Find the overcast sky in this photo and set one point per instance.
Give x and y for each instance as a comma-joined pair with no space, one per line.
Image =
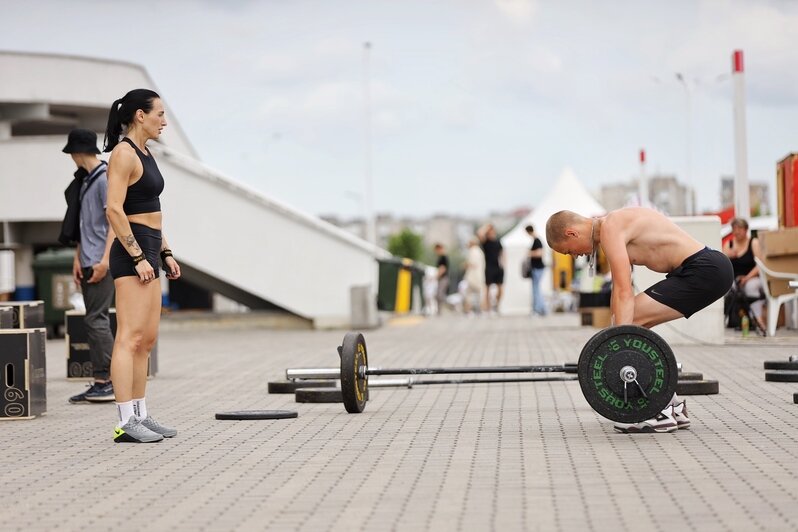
477,105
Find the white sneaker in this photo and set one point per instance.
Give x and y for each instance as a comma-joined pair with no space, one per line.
663,422
680,415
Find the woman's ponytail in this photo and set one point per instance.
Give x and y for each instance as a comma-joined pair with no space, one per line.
122,112
114,128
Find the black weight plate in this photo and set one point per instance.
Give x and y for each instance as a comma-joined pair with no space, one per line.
614,348
782,365
293,386
781,376
318,395
354,381
690,376
795,398
257,414
698,387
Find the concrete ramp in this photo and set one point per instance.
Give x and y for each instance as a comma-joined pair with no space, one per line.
255,250
229,238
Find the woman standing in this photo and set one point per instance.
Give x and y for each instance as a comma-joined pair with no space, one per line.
134,212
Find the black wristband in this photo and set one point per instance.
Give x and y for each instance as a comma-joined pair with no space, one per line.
166,253
138,258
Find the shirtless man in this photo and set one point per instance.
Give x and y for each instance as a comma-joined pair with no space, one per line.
696,276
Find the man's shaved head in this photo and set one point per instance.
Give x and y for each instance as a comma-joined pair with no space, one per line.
557,225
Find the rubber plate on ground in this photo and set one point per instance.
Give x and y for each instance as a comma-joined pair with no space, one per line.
257,414
781,365
781,376
627,351
795,398
690,376
700,387
293,386
318,395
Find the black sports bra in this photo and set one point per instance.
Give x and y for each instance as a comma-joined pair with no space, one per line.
142,196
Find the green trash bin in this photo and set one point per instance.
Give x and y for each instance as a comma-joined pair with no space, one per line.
54,285
400,282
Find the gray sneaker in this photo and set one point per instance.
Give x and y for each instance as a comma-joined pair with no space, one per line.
158,428
134,431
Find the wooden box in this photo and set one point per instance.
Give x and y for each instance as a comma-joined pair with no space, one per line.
26,314
599,317
6,317
79,366
23,384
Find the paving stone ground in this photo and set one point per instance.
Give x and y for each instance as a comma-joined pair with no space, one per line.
515,456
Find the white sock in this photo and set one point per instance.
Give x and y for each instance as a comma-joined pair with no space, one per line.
140,408
125,412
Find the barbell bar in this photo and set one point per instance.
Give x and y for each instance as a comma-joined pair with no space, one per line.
335,373
627,373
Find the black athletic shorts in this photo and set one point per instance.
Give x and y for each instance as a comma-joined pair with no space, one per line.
149,240
703,278
494,276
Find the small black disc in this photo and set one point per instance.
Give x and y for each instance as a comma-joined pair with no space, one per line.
614,351
782,365
781,376
698,387
690,376
318,395
293,386
795,398
257,414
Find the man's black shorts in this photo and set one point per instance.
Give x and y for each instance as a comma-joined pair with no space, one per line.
703,278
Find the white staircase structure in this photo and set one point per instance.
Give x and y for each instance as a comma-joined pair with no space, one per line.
228,238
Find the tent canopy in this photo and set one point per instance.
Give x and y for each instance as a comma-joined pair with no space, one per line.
567,193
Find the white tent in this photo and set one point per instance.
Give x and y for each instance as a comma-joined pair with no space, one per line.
567,193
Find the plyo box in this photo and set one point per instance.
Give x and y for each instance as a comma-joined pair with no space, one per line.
779,243
6,317
780,254
23,384
79,366
26,314
594,299
599,317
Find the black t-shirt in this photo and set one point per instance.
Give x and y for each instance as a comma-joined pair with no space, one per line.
536,263
443,260
492,250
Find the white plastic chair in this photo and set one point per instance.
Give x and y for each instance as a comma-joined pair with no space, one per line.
775,302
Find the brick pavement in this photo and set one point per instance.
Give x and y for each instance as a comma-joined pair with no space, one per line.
451,457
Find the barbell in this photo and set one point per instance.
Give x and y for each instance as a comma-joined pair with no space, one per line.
626,373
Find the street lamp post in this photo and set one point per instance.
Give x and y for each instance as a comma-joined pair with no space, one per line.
371,226
643,185
742,205
689,136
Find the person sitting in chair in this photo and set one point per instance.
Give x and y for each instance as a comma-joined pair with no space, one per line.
741,250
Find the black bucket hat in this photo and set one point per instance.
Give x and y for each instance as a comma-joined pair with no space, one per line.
81,141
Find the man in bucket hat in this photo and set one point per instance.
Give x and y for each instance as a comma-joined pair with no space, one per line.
90,267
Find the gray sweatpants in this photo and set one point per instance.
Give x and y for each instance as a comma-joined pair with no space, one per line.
98,298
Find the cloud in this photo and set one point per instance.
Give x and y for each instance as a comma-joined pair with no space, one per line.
458,112
518,11
334,106
765,31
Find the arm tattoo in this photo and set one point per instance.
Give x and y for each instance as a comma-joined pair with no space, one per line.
132,245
